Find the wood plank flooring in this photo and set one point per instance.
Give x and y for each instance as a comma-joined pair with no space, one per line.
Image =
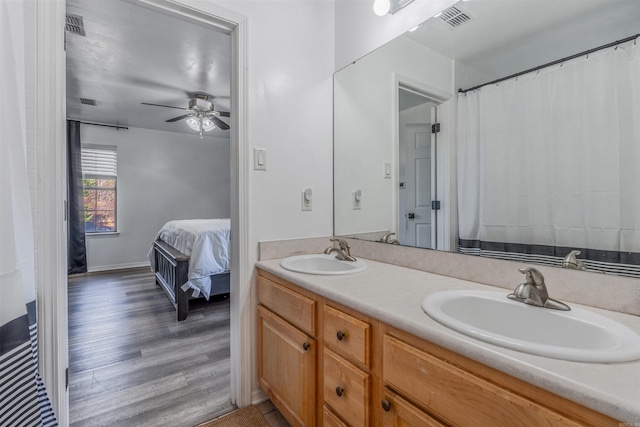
132,364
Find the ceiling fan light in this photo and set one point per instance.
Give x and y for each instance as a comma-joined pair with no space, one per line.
208,124
193,123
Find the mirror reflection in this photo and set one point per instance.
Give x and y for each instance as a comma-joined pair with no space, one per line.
498,128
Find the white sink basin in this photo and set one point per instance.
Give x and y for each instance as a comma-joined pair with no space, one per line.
576,335
321,264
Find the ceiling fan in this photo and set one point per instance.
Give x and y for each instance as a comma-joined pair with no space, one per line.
201,114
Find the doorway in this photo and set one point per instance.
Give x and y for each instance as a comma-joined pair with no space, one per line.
114,333
51,237
417,173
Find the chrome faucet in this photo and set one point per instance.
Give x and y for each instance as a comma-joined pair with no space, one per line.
571,261
534,291
342,253
387,239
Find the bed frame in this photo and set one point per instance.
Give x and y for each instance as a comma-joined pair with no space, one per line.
172,268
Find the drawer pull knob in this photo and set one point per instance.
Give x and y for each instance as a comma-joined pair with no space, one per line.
340,335
306,346
339,391
386,405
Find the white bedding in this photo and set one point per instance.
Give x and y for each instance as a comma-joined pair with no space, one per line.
206,242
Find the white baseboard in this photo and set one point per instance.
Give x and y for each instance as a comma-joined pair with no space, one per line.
258,396
96,268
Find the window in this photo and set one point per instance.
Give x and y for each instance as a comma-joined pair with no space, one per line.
99,182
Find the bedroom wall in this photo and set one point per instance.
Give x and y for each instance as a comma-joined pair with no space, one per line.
161,176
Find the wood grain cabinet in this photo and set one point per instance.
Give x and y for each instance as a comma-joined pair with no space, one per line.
398,412
346,361
287,359
451,390
322,363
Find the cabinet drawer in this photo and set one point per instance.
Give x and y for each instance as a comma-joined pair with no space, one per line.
347,334
329,419
347,390
455,395
399,412
290,305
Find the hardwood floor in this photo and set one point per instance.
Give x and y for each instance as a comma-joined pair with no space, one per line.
132,364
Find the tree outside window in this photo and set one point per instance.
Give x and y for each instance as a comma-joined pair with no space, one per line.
99,181
99,205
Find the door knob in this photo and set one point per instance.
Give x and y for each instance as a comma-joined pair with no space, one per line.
411,215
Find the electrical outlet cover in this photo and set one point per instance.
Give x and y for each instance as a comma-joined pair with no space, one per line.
306,201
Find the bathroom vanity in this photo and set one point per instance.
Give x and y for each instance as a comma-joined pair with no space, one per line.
357,350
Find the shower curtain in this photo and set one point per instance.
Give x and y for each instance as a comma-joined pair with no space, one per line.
23,398
550,161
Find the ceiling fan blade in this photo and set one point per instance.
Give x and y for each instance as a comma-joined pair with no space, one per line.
222,125
175,119
224,113
166,106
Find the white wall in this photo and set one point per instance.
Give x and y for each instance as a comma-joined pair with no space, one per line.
290,66
365,133
467,77
161,176
359,30
30,99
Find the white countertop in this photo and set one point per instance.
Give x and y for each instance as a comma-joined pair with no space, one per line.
393,295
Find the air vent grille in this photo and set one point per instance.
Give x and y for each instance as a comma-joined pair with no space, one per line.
87,101
454,17
75,24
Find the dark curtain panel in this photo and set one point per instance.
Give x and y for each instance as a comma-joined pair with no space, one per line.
77,252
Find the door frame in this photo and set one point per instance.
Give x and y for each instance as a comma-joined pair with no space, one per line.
50,218
400,81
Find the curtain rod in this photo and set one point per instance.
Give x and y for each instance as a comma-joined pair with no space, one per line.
118,127
577,55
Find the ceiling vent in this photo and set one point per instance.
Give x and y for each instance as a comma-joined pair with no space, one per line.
75,24
87,101
455,16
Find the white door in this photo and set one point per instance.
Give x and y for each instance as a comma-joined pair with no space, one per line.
418,185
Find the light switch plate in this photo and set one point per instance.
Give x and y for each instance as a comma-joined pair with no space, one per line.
259,159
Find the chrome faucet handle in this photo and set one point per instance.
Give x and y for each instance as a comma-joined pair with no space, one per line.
571,261
343,253
344,246
536,279
339,253
385,238
534,291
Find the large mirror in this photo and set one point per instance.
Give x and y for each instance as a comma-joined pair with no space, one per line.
529,167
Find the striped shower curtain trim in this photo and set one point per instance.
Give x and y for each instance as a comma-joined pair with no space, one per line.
22,391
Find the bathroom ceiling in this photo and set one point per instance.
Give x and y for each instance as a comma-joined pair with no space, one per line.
503,37
132,53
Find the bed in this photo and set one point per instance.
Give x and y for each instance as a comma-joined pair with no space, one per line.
190,259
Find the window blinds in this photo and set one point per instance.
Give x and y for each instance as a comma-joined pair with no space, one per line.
100,161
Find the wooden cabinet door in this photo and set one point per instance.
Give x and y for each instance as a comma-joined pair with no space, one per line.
287,368
397,412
